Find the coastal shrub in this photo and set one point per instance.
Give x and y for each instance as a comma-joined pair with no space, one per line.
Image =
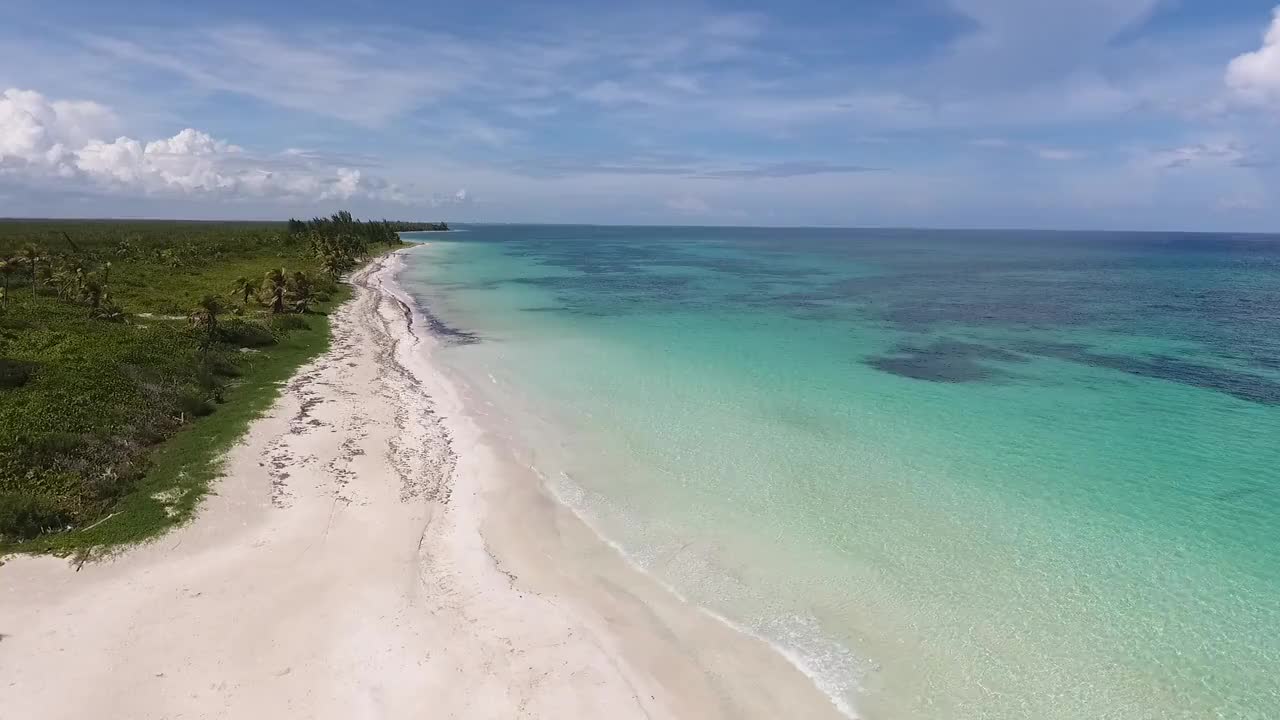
286,323
25,515
218,366
15,373
246,333
195,404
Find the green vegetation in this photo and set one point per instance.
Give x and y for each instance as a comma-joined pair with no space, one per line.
299,225
132,354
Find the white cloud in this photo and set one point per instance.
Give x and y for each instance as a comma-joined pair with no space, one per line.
1028,41
1021,62
460,197
317,72
485,134
682,83
1057,154
1209,154
384,74
530,111
688,205
45,141
1022,77
1254,77
1248,202
41,134
610,93
740,26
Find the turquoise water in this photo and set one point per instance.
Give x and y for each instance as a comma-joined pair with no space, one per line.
951,474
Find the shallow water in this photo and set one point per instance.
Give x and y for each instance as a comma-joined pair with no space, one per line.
953,474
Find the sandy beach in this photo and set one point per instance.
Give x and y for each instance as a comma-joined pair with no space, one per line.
371,554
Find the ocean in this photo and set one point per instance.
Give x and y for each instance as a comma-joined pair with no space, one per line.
951,474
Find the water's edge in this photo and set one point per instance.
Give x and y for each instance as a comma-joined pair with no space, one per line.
833,688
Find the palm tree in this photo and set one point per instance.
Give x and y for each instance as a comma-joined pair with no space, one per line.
205,319
317,242
32,255
8,266
244,288
46,272
92,293
301,292
75,270
109,311
64,280
275,285
332,265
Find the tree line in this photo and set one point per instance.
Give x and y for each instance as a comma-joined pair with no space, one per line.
380,228
338,242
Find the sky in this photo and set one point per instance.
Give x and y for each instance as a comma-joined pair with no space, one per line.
1074,114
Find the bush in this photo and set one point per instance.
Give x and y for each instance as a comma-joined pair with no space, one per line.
26,515
217,366
52,448
286,323
15,373
245,333
194,404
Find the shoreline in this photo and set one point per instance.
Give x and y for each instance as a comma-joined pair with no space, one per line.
610,561
369,552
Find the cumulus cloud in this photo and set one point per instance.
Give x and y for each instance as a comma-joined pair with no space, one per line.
44,141
39,133
1255,76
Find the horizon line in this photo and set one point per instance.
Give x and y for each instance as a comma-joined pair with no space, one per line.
935,228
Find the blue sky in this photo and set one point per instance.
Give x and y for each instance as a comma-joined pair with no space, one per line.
1146,114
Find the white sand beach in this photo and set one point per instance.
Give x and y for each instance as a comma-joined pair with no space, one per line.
369,554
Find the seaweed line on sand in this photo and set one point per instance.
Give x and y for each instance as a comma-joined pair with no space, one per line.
420,452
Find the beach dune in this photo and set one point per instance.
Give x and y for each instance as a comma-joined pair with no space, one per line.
368,556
